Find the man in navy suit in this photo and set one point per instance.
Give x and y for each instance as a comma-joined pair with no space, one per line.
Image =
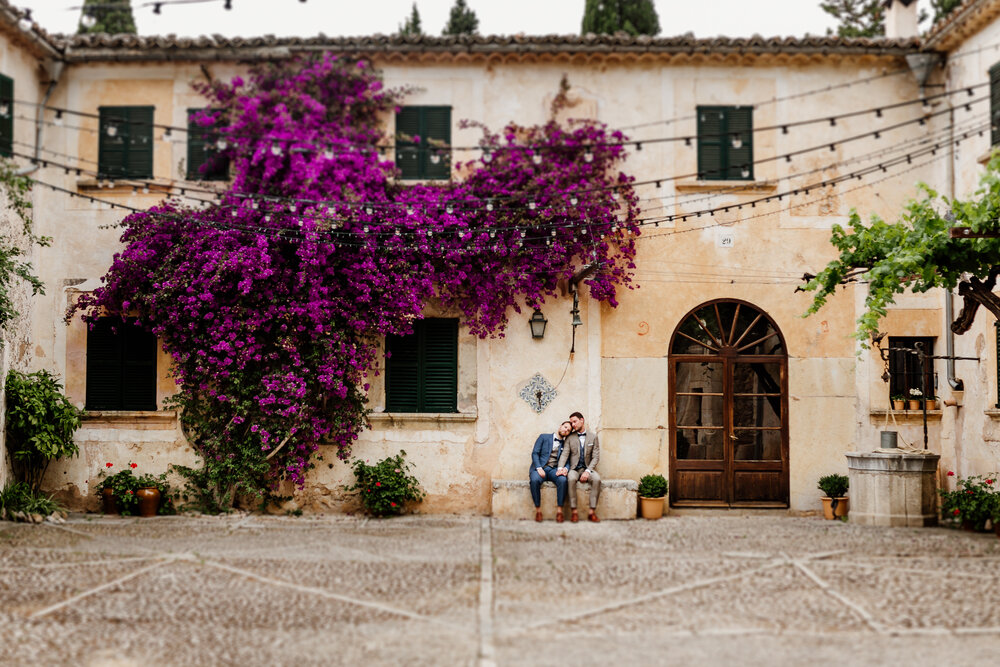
544,456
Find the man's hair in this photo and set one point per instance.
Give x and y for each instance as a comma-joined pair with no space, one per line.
577,415
567,422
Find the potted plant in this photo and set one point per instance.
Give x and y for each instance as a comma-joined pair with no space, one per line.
898,402
652,489
916,397
972,503
117,490
931,402
835,499
153,495
386,487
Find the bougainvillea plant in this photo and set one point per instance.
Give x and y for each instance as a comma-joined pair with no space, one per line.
272,300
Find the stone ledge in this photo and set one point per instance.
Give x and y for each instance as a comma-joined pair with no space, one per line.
422,417
731,187
123,416
907,415
511,499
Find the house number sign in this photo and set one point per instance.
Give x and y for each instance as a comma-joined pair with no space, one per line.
725,239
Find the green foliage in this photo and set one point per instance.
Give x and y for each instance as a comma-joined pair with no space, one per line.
385,487
916,253
111,16
858,18
606,17
943,7
12,265
202,491
461,21
40,424
411,26
123,485
833,486
20,497
973,502
652,486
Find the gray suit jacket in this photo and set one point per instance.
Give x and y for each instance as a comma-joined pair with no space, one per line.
570,457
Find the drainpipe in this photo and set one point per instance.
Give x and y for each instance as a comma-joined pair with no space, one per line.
949,298
54,69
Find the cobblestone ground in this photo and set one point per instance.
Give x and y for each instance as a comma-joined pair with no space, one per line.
722,588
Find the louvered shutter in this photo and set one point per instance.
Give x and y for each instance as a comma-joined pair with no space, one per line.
440,365
203,162
995,104
739,131
7,119
138,369
104,390
711,152
437,131
407,153
112,149
139,160
402,375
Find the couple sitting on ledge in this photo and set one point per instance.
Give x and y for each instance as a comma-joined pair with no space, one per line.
568,456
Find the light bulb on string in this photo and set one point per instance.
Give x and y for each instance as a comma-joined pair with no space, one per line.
449,209
573,201
111,131
409,209
737,141
368,210
328,153
25,23
487,157
532,205
588,156
222,144
275,149
88,20
145,189
489,206
291,208
254,205
435,158
536,158
58,121
745,172
267,217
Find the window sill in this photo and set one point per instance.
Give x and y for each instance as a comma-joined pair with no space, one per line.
734,187
123,416
985,157
120,187
992,413
909,415
422,417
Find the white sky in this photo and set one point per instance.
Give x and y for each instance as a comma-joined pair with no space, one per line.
707,18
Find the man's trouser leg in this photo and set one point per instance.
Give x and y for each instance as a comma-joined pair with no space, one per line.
535,483
595,489
560,482
574,477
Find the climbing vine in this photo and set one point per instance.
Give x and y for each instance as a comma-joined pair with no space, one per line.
12,263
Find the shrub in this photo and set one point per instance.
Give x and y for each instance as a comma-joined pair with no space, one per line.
40,424
19,497
973,501
833,486
652,486
387,486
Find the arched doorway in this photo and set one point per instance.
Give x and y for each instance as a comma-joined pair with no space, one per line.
728,408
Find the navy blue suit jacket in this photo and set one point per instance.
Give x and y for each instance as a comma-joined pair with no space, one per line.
542,450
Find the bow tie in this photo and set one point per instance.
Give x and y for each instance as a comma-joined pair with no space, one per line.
558,440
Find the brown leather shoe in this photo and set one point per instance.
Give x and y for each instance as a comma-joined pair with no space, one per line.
593,517
538,515
574,517
559,517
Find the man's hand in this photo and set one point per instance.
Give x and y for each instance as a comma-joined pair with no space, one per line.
541,472
585,475
561,472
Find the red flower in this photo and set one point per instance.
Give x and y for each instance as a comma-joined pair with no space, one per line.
133,465
969,491
393,504
109,464
378,483
129,492
989,481
956,512
951,474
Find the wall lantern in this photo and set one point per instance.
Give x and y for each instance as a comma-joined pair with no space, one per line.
537,324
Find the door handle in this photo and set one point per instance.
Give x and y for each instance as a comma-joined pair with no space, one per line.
733,437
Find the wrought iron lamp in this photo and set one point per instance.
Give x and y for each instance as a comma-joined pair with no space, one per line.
576,318
537,324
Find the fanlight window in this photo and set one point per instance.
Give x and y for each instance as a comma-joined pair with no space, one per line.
729,327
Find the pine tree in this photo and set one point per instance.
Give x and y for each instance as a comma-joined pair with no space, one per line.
943,7
110,16
462,20
606,17
858,18
411,26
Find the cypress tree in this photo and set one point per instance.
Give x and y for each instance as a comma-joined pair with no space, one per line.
943,7
411,26
858,18
462,21
110,16
606,17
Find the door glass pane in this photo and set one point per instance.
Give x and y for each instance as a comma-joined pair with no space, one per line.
757,445
693,337
757,378
699,410
756,411
698,376
761,338
701,443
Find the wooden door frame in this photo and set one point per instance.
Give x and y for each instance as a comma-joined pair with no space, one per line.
728,358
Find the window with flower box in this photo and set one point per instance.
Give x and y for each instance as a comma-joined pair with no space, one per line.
905,369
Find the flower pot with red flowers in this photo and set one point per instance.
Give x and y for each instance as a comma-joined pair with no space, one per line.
118,489
974,502
835,499
153,495
386,488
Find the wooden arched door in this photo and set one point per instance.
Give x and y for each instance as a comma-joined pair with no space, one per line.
728,408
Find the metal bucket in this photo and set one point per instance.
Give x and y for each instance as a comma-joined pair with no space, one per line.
889,440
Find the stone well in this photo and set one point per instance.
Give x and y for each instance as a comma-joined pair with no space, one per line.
893,488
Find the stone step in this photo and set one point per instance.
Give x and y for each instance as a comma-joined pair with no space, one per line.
512,499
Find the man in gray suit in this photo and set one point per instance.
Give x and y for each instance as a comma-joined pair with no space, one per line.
581,455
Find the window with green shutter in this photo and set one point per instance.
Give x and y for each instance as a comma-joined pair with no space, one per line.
422,369
203,161
423,141
125,147
725,143
995,105
121,367
6,116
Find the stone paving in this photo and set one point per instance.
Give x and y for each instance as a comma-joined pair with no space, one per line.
709,588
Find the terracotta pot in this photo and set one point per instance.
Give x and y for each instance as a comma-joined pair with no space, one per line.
108,499
931,405
652,508
149,501
898,405
914,405
828,510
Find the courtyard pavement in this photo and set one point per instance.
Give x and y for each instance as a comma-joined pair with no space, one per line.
699,588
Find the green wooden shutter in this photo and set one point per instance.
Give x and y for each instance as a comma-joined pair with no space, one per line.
201,153
121,367
138,369
436,131
7,120
711,152
995,104
402,374
104,390
739,129
129,153
407,153
440,365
